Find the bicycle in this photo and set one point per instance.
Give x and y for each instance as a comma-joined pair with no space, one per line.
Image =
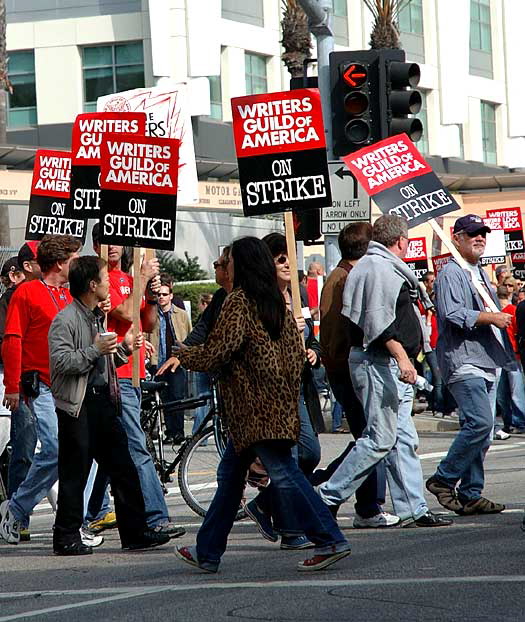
198,456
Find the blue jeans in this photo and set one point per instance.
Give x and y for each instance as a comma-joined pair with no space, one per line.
23,444
337,415
511,398
43,472
295,498
156,509
464,460
389,435
307,452
202,389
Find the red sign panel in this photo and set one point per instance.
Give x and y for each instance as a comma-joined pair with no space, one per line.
51,174
417,249
440,260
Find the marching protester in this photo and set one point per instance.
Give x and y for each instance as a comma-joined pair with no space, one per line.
335,346
88,405
257,349
31,310
379,298
119,321
472,348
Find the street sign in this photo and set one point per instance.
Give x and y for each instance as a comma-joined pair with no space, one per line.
350,203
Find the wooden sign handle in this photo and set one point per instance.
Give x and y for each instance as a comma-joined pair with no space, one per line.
137,299
297,307
455,253
104,252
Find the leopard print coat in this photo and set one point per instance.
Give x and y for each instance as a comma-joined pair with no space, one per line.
259,378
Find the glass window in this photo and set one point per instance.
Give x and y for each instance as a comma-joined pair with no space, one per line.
411,17
480,38
340,8
255,72
110,69
422,143
488,132
22,101
215,97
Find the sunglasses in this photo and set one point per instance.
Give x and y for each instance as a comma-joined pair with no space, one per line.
218,264
282,259
474,234
162,294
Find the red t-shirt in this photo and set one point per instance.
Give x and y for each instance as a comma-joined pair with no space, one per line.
512,329
120,288
31,310
312,289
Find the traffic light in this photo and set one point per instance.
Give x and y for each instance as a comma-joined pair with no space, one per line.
369,98
307,226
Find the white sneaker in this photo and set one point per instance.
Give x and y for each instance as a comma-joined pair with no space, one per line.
9,526
379,521
501,435
90,539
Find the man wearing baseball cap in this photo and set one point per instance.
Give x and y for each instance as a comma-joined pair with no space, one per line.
472,348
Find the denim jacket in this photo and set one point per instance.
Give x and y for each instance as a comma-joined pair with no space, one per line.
460,341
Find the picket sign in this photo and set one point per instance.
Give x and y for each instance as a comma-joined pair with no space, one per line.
455,253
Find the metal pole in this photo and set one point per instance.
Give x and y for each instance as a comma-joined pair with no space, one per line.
319,14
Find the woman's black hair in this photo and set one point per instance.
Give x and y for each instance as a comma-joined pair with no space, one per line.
254,273
276,242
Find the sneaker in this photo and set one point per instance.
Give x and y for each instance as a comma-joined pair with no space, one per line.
9,526
263,522
428,520
318,562
295,543
445,494
480,506
25,535
108,521
149,539
188,554
75,548
89,538
501,435
169,529
379,521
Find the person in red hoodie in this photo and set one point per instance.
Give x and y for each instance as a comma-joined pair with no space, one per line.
30,313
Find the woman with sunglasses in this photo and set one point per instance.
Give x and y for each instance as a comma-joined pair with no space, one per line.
307,452
256,347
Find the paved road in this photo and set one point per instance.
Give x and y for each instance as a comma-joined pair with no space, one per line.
471,571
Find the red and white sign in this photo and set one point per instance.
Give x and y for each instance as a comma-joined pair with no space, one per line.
417,249
439,261
51,174
512,224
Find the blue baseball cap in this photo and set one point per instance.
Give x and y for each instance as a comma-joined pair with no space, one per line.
470,224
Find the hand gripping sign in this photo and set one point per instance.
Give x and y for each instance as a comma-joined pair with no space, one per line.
281,152
50,209
86,141
138,191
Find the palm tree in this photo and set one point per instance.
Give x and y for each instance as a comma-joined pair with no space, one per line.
385,33
296,37
5,236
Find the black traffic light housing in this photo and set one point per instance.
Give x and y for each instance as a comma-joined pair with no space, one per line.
371,98
307,226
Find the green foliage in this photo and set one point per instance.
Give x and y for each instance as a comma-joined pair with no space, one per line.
192,293
187,269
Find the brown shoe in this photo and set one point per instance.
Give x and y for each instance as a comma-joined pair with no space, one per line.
446,496
480,506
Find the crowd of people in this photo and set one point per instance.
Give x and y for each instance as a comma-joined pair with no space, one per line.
73,415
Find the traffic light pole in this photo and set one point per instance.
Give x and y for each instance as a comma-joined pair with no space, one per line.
319,14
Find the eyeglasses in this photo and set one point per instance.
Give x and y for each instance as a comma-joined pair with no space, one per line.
218,264
282,259
474,234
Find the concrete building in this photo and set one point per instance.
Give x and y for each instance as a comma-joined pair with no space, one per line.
64,54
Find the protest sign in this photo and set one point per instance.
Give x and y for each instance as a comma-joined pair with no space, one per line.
518,265
138,198
167,116
416,256
88,131
398,179
280,146
512,225
495,247
439,261
50,209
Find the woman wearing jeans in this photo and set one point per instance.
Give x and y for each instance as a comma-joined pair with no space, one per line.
256,347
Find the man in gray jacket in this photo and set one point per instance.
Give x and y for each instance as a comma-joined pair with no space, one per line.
85,389
471,349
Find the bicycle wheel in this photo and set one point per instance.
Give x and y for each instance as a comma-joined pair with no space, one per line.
197,475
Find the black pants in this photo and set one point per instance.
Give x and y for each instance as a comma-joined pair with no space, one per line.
97,434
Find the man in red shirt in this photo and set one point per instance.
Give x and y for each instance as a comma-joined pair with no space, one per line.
31,311
119,321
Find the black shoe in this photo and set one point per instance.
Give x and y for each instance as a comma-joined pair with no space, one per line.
74,548
333,510
178,439
148,540
429,520
169,529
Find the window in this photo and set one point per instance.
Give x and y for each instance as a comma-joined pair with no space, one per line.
488,132
340,21
246,11
480,39
215,97
22,102
255,72
411,29
422,143
110,69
